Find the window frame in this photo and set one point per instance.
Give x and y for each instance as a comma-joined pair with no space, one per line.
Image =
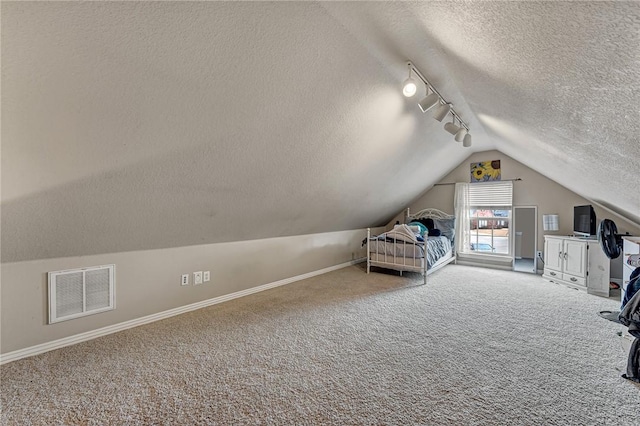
469,230
482,196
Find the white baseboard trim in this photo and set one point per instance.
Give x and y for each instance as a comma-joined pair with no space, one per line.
89,335
484,265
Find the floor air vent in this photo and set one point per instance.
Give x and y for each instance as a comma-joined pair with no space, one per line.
80,292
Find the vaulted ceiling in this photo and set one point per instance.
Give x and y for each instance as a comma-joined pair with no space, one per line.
137,125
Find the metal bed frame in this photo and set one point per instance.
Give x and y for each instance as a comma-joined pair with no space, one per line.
412,264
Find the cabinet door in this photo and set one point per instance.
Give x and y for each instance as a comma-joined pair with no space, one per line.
553,254
575,258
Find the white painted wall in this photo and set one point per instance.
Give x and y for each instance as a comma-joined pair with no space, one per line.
148,282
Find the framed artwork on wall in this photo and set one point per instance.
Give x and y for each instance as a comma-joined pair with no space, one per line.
485,171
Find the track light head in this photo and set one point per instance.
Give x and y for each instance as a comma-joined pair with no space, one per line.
451,128
460,135
429,102
466,142
409,87
442,111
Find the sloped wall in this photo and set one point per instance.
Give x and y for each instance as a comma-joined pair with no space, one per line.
149,125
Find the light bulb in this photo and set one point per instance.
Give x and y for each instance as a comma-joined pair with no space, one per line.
409,87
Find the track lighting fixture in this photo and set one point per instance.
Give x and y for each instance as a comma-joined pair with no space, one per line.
434,99
442,112
410,86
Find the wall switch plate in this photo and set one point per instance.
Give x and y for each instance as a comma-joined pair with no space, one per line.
206,276
197,278
185,279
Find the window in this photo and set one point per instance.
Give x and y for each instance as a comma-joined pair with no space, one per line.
489,230
484,212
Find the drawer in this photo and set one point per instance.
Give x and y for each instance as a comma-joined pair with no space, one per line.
627,269
552,273
574,280
631,245
628,251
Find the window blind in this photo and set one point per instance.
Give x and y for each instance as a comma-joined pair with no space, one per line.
493,194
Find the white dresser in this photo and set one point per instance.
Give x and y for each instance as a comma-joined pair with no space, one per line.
630,245
578,263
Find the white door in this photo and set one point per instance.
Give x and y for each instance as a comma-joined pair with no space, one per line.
553,254
576,258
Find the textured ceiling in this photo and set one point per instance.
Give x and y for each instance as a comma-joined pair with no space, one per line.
555,85
137,125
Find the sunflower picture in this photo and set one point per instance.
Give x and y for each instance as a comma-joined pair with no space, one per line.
485,171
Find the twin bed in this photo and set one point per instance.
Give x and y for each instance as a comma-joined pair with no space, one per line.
405,249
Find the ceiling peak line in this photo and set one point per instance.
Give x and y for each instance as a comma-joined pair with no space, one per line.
433,99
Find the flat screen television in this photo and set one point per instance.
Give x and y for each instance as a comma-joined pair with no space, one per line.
584,221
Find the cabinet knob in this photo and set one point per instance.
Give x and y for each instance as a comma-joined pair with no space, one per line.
573,279
552,273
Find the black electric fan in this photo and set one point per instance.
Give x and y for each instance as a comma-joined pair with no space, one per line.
609,239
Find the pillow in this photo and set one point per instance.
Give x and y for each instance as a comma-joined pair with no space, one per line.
434,232
414,229
402,233
447,227
422,221
423,229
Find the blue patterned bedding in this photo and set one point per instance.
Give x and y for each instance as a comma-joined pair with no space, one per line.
437,247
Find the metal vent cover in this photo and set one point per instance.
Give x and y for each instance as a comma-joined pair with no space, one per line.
79,292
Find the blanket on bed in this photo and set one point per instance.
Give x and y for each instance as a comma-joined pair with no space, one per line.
437,247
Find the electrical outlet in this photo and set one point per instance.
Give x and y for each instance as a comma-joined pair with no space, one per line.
185,279
539,254
197,278
206,276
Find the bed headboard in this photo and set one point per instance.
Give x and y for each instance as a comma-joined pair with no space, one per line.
443,221
428,213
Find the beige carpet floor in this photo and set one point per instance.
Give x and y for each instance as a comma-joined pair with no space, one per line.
472,347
